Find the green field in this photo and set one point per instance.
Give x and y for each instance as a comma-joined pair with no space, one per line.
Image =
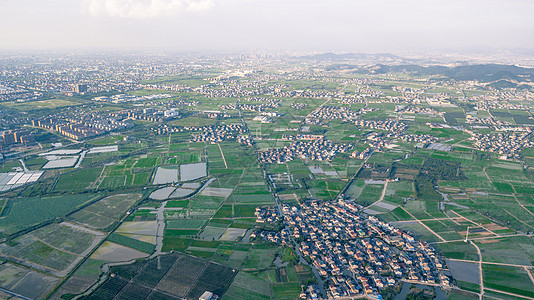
22,213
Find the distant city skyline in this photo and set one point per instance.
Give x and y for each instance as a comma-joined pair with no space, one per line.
234,25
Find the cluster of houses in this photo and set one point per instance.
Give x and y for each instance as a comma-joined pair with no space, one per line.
258,85
356,254
229,89
379,141
266,214
218,133
245,140
153,115
331,113
224,130
486,121
500,104
391,125
306,137
319,149
298,106
412,109
252,107
122,98
352,99
498,125
17,94
418,138
506,144
260,99
504,99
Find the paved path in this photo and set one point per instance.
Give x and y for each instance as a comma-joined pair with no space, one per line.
507,293
477,224
222,154
382,195
527,269
481,238
531,213
424,225
82,156
490,263
160,218
23,165
481,274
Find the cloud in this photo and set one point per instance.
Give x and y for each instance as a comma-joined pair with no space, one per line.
144,9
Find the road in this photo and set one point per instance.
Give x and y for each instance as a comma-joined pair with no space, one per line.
324,103
23,165
521,204
529,274
477,238
481,272
424,225
507,293
82,156
473,222
489,179
222,154
382,195
281,212
490,263
160,219
14,294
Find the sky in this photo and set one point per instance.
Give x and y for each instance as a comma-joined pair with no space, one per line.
242,25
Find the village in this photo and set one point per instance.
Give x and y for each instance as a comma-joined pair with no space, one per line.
357,254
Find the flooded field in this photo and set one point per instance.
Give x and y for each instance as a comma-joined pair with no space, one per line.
165,175
170,192
464,271
162,194
190,172
180,192
191,185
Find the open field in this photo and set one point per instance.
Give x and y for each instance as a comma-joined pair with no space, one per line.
164,275
27,283
103,213
44,104
22,213
112,252
56,246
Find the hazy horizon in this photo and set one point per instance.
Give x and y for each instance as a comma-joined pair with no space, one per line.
244,25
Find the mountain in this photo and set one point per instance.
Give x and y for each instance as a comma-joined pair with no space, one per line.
333,57
499,76
482,73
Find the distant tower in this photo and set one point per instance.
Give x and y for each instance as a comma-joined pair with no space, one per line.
80,88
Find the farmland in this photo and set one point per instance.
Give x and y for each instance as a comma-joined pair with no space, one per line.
146,278
103,213
199,163
22,213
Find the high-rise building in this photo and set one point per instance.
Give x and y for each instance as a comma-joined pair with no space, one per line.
80,88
